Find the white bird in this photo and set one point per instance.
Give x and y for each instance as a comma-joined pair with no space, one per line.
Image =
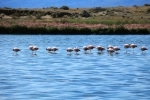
143,48
15,49
100,49
90,47
110,50
49,49
76,50
133,46
85,48
126,46
116,48
33,48
69,50
110,46
54,49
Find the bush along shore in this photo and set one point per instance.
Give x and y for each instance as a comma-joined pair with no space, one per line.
118,30
80,21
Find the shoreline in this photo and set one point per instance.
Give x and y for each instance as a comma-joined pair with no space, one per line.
79,29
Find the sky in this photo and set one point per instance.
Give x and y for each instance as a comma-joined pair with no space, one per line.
70,3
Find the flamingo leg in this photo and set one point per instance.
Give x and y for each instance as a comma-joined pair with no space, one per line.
32,52
126,50
35,52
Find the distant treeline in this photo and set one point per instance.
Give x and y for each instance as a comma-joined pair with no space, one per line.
146,4
70,31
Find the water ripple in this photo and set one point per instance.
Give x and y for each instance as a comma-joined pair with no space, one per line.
59,76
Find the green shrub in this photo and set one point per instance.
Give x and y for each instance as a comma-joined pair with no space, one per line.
97,9
120,30
146,4
64,7
38,16
148,10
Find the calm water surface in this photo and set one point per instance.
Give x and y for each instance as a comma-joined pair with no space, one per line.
61,76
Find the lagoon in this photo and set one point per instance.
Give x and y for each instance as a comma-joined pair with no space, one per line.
94,76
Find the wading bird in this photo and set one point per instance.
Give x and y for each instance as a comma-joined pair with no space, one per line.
15,49
110,46
76,50
143,48
49,49
126,46
110,51
85,48
69,50
100,49
54,49
133,46
116,49
90,47
33,48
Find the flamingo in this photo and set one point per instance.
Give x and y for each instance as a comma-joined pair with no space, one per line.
100,49
69,50
76,50
33,48
85,48
15,49
110,46
143,48
116,48
133,46
49,49
110,50
54,49
90,47
126,46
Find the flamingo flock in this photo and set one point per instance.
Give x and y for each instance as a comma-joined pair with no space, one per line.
126,46
87,49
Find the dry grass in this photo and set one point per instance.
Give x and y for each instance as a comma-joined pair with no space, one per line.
110,16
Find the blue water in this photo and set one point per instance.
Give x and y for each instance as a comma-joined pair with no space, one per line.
61,76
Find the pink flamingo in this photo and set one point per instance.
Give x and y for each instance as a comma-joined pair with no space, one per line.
33,48
76,50
85,48
110,46
100,49
110,50
126,46
69,50
54,49
116,48
49,49
133,46
90,47
15,49
143,48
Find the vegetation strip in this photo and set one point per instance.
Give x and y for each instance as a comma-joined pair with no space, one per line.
71,31
65,20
